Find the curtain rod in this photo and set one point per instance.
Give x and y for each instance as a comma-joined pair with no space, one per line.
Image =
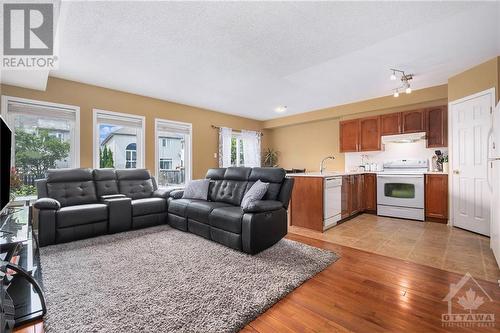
234,129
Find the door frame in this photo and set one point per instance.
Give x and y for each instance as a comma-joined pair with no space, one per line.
491,92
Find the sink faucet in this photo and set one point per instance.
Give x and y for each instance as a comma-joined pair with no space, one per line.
321,165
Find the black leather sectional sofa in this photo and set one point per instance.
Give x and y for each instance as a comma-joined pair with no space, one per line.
221,219
81,203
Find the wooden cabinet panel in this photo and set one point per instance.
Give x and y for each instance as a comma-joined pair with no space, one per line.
370,193
436,198
369,134
413,121
306,206
437,127
390,124
346,197
361,192
349,135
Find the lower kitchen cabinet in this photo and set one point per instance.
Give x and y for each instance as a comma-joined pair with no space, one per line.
436,198
352,195
306,205
370,193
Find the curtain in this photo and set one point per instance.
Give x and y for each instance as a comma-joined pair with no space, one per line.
225,135
251,148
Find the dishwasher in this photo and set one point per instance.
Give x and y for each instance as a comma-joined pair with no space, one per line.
332,201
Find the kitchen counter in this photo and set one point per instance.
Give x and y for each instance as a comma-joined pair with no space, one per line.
435,173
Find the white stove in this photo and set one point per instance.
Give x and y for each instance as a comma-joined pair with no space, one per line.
400,189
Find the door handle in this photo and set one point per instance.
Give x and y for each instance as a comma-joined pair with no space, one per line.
456,172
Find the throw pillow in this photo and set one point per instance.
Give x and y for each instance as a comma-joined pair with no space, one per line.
256,192
197,189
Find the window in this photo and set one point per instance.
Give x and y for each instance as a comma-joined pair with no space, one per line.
45,135
165,164
237,156
173,152
239,149
119,140
131,156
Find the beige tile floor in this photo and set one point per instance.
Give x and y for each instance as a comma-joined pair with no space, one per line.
426,243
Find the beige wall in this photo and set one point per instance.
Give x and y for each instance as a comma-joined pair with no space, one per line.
476,79
303,140
87,97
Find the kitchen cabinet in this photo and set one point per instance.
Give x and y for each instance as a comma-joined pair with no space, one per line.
370,193
413,121
390,124
369,134
352,195
349,136
436,198
437,127
306,204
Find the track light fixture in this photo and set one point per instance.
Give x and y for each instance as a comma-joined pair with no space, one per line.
405,81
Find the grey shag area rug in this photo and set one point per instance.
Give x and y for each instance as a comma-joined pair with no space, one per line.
164,280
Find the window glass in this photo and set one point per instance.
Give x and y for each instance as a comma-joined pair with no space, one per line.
44,138
173,152
399,190
120,142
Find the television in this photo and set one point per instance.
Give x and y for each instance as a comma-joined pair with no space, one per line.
5,158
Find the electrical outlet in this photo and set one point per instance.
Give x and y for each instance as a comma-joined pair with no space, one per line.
215,155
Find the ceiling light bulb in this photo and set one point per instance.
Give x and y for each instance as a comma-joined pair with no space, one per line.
408,90
396,94
393,76
280,109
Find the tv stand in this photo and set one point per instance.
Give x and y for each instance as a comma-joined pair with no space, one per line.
19,262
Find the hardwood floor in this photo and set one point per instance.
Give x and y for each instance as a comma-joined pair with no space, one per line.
366,292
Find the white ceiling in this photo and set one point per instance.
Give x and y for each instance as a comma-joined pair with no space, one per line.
247,58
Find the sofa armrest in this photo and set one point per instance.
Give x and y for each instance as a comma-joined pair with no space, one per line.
47,203
112,196
177,194
259,231
162,193
260,206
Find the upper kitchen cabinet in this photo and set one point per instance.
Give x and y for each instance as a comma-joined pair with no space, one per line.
390,124
369,134
349,136
437,127
413,121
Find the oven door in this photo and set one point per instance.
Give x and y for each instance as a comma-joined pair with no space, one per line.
400,190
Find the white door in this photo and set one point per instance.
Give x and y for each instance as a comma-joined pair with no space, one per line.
495,184
471,194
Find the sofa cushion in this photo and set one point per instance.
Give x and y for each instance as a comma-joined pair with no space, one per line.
197,189
228,191
136,189
72,193
256,192
273,176
229,187
105,181
227,218
81,214
135,183
69,175
148,206
179,206
200,210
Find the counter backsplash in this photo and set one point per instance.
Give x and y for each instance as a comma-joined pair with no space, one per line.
392,151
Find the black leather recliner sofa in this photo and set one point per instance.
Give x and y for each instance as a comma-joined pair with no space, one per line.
221,219
81,203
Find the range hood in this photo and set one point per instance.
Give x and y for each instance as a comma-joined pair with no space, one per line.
404,138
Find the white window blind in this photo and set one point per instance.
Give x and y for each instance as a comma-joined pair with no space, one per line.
171,127
119,120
